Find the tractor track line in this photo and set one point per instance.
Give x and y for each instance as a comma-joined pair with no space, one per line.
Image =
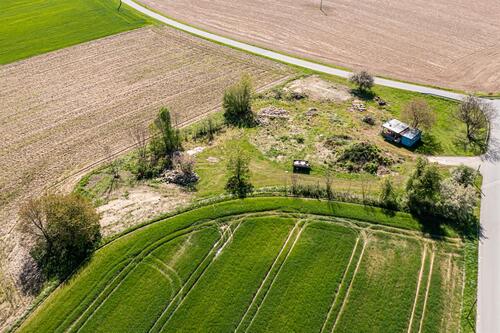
419,281
346,297
254,299
275,276
197,279
427,292
341,284
125,271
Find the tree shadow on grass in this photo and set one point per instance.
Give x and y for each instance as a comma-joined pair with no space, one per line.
365,95
429,145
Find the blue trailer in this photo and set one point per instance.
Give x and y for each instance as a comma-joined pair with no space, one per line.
401,133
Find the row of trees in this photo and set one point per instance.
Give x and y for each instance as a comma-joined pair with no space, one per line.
428,194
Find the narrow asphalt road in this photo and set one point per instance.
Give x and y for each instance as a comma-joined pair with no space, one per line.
488,318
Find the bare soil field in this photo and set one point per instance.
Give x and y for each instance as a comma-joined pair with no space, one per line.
454,44
59,110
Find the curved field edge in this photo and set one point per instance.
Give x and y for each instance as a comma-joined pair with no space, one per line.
112,259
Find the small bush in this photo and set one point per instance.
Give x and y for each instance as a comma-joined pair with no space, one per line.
363,156
237,104
370,120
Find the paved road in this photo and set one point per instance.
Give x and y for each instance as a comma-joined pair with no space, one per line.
488,320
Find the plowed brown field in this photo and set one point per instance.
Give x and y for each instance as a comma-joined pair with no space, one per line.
453,44
58,111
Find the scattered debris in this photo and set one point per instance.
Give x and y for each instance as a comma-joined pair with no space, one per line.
271,113
312,112
370,120
380,101
212,159
178,177
358,105
195,151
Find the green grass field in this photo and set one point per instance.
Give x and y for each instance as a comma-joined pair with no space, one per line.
32,27
264,264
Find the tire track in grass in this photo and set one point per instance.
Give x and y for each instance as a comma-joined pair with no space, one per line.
268,274
266,293
342,282
365,243
427,292
419,281
180,296
79,322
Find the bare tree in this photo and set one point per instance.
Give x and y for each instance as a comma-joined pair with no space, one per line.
112,161
419,114
363,80
475,114
328,184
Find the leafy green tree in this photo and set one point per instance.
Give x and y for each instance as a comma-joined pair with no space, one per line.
66,230
165,140
423,188
388,195
237,104
238,183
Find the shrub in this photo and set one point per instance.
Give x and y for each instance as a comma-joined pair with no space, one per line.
65,229
388,196
370,120
363,156
458,201
238,183
423,189
363,80
237,104
464,175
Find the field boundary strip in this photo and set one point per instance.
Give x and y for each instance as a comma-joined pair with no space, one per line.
183,295
268,274
358,264
419,281
342,281
421,324
266,293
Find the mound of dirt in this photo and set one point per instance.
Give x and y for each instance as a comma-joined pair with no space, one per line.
317,89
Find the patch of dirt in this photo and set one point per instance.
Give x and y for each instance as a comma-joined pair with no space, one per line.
139,204
413,40
317,89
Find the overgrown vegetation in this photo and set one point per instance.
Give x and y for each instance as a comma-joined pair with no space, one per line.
238,182
66,230
237,104
363,156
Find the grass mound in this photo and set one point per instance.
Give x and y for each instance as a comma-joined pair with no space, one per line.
260,265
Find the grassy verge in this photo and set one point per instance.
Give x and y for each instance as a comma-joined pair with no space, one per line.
35,27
